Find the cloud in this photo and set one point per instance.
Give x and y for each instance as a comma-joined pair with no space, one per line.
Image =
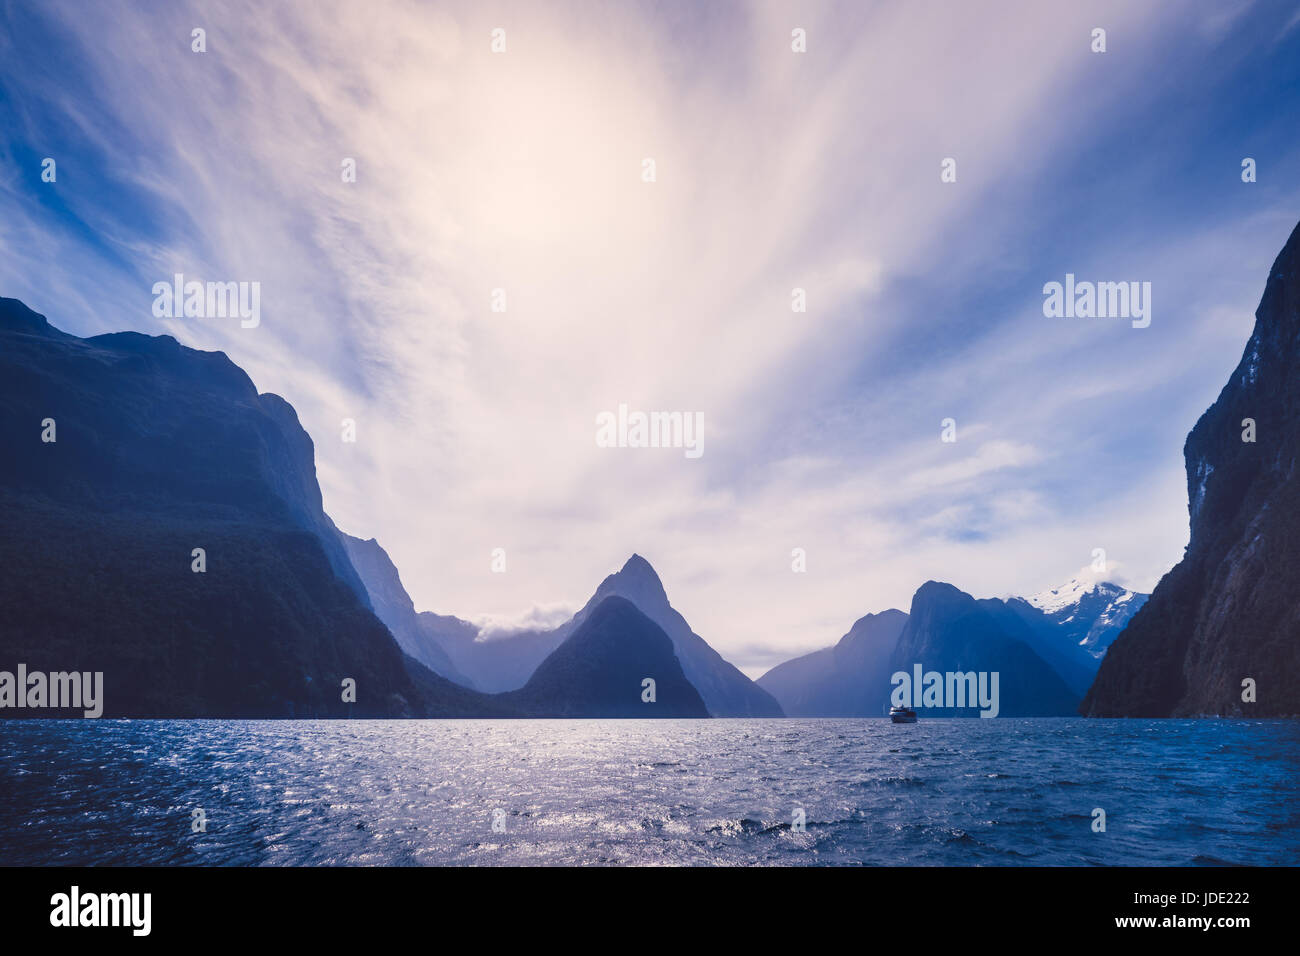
535,618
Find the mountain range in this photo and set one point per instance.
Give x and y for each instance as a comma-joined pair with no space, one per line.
1034,643
161,522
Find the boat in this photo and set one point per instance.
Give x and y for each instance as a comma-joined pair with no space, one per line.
902,715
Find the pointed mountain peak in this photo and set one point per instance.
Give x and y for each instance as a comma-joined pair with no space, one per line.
638,582
637,566
598,669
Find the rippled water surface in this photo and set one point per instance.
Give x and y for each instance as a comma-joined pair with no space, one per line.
950,792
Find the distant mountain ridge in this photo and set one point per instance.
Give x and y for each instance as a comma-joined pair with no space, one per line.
1067,628
495,663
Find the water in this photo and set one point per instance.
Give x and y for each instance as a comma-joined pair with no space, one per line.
944,792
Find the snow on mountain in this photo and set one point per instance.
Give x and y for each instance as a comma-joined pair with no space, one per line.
1067,595
1091,612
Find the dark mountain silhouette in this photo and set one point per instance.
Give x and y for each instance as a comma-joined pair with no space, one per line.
850,679
505,662
948,630
1229,611
726,691
394,607
599,669
161,449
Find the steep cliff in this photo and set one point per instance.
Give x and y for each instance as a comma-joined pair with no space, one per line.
1229,613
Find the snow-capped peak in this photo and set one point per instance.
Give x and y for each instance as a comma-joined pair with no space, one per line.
1089,609
1068,594
1087,581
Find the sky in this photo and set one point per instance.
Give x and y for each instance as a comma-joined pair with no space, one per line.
523,169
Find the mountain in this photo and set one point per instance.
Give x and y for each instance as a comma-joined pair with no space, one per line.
1075,624
1089,613
948,630
506,662
394,607
726,691
599,669
1043,670
455,638
850,679
1229,611
159,450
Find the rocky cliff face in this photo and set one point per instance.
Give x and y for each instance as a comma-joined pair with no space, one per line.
158,450
1229,612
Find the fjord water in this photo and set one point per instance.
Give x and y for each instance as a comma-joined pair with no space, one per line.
941,792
